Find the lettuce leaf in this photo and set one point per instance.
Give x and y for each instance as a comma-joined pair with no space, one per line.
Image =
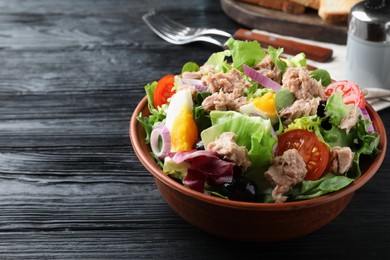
174,170
149,90
313,189
298,60
201,116
364,144
156,115
255,133
245,52
337,137
310,123
336,109
218,60
358,139
274,54
242,125
218,117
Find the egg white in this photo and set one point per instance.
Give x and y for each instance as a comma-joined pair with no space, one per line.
178,100
251,109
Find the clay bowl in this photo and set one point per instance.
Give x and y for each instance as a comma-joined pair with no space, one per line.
245,221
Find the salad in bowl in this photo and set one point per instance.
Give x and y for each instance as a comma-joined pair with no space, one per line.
249,125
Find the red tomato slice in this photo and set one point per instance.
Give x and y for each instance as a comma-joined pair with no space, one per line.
315,153
351,92
163,90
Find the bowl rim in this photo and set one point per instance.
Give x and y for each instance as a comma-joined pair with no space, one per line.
148,162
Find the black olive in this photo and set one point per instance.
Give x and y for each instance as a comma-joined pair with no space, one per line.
237,171
326,125
321,108
199,145
242,189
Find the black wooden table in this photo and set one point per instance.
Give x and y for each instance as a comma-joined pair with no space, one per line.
71,187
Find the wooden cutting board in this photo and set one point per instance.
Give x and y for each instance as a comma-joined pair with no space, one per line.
308,25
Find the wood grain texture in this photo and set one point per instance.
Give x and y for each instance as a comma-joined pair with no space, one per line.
71,187
307,25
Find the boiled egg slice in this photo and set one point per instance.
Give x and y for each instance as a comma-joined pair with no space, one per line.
262,106
180,122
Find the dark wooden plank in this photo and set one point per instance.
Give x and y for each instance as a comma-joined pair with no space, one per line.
163,243
71,186
93,31
91,7
90,71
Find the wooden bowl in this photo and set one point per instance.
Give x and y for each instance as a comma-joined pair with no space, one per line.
246,221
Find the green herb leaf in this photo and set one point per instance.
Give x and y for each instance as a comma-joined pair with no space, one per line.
321,75
190,67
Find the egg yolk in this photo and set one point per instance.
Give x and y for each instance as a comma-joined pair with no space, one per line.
184,133
266,104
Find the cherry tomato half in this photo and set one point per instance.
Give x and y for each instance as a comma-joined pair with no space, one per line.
163,90
351,92
315,153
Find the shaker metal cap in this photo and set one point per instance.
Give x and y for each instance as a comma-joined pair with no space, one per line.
370,20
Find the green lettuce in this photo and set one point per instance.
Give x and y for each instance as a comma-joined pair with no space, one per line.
245,52
310,123
364,144
336,136
218,60
218,117
298,60
336,109
242,125
149,90
255,133
313,189
156,115
201,116
177,171
358,139
274,54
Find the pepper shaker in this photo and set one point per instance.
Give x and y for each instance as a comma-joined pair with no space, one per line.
368,44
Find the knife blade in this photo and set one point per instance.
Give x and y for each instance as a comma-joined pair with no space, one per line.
291,47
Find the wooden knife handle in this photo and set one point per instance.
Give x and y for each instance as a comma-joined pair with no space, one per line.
290,47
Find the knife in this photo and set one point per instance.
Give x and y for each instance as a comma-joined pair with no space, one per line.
291,47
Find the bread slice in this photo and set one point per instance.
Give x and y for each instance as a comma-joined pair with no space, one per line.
336,10
315,4
286,6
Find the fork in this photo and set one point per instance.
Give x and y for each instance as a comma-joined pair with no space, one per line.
176,33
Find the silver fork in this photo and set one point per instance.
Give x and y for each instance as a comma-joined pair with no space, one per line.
176,33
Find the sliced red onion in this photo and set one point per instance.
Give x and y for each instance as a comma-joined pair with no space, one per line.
260,78
273,133
259,115
160,133
275,148
185,156
370,128
197,83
